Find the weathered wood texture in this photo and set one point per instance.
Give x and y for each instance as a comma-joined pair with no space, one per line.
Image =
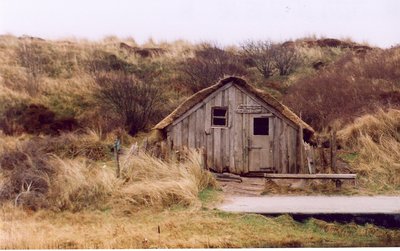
311,176
227,148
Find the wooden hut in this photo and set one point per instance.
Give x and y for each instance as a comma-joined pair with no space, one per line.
241,129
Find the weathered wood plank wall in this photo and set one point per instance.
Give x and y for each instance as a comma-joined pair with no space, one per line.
225,148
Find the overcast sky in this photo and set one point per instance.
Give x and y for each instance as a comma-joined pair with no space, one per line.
223,21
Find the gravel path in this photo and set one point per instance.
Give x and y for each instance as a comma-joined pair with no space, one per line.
312,204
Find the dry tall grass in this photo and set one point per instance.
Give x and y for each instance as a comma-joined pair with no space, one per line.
179,229
33,178
376,138
151,181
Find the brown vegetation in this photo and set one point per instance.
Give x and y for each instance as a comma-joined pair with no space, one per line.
375,141
351,87
261,55
35,119
32,177
268,57
178,229
209,64
131,98
51,91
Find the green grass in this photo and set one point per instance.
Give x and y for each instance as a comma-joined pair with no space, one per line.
180,228
208,195
349,157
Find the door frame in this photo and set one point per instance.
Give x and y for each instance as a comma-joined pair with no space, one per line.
250,135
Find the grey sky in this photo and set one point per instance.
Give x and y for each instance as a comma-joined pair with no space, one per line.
223,21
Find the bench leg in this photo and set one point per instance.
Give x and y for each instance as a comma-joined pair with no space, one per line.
338,183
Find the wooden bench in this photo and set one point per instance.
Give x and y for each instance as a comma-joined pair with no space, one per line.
336,177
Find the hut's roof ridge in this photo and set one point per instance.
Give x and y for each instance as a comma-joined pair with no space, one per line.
202,94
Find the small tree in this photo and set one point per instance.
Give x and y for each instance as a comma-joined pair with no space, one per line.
286,59
131,98
261,53
30,56
209,64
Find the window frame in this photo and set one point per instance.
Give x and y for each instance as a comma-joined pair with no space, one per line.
220,117
267,124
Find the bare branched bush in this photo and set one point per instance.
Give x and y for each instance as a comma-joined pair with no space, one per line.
286,59
261,54
132,98
209,64
349,88
31,57
104,61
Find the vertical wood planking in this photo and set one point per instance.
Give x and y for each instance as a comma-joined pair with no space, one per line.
292,159
209,134
185,132
226,147
225,133
173,135
217,139
232,126
276,144
200,128
285,151
237,129
178,135
245,132
192,130
280,144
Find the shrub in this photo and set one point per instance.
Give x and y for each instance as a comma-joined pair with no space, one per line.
286,59
209,64
350,87
31,56
261,54
34,179
133,99
104,61
70,145
35,119
27,173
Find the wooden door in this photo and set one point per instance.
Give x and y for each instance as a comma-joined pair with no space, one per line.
260,143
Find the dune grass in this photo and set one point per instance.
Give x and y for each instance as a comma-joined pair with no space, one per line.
179,228
370,147
375,138
34,176
62,192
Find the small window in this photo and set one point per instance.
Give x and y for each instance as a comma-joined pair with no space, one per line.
219,116
260,126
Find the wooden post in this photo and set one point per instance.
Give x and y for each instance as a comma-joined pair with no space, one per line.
313,159
309,156
145,144
203,162
117,146
322,157
301,150
159,236
333,152
164,150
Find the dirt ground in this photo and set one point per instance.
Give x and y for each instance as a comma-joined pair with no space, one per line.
259,186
